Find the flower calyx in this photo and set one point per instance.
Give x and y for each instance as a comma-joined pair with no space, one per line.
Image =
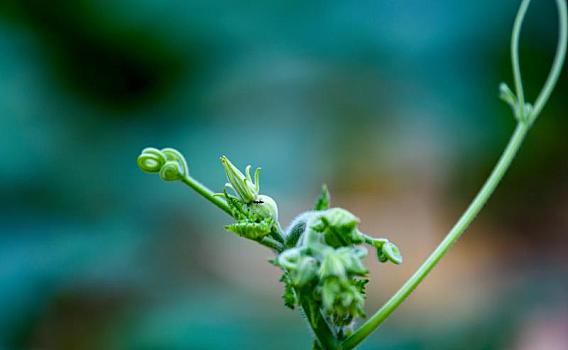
256,215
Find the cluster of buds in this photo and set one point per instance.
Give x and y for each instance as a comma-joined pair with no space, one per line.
332,277
320,253
323,263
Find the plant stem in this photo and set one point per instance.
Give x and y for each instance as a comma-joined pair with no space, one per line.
515,57
558,61
524,123
272,244
317,323
455,233
207,194
321,330
220,203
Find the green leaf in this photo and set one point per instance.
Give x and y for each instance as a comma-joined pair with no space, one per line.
293,236
289,296
250,230
322,203
306,272
340,219
339,227
316,346
507,95
333,266
361,284
237,207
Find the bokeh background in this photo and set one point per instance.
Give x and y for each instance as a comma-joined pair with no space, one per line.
393,104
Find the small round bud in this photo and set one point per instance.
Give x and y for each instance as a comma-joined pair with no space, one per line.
389,252
306,271
341,219
288,259
264,207
333,265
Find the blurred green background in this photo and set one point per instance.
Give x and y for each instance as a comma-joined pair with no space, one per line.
393,104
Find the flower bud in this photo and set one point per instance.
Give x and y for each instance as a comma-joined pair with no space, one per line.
333,266
289,258
342,300
351,257
339,227
306,271
389,252
243,185
263,207
340,219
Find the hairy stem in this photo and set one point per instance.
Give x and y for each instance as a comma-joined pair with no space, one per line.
272,244
319,327
323,334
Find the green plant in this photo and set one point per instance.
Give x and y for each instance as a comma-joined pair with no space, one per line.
320,252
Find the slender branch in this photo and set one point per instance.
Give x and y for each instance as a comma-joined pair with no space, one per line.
222,204
515,58
272,244
523,125
207,194
558,61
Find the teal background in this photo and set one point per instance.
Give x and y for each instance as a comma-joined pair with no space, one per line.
393,104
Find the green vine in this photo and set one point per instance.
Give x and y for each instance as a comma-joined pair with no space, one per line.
320,253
